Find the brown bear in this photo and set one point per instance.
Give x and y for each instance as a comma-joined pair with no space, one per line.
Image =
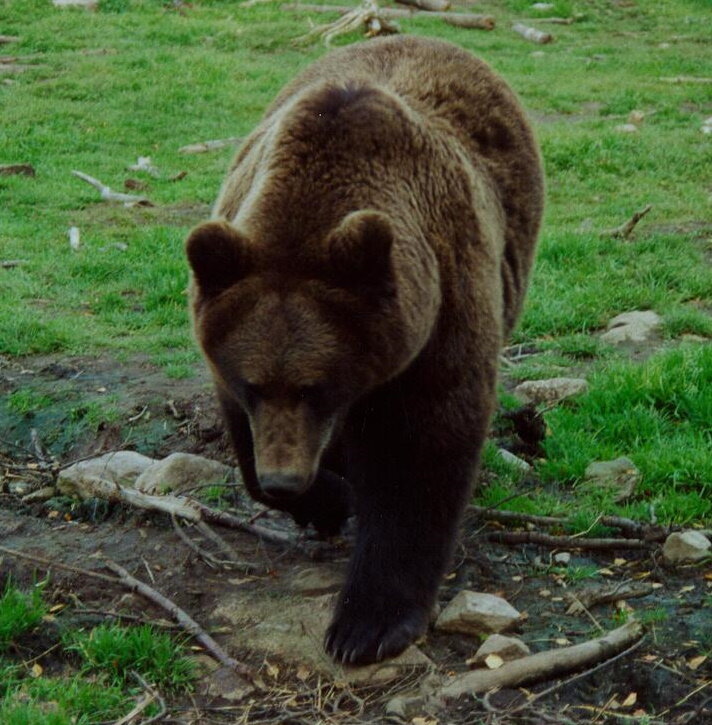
369,252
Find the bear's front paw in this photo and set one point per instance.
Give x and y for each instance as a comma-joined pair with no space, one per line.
367,634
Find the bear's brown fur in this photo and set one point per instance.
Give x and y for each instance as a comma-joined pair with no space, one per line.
370,252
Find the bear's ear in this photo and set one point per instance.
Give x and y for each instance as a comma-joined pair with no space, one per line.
219,256
360,249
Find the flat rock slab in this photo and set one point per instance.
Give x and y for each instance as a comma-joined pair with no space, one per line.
292,627
181,471
550,391
477,613
122,467
635,326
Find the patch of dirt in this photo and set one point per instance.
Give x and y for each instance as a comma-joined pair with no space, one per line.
270,621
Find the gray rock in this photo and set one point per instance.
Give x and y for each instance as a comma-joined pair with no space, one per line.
636,326
621,474
405,707
686,546
316,580
550,391
477,613
122,467
513,460
181,471
41,494
563,557
508,648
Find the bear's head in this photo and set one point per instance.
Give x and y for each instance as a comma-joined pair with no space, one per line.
296,334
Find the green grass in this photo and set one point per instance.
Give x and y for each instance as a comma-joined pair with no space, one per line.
20,612
137,78
116,651
104,685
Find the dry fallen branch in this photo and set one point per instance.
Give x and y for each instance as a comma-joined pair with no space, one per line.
185,620
628,526
203,146
368,15
536,36
49,564
432,5
17,170
10,263
553,21
545,665
9,39
685,79
580,601
463,20
564,542
626,229
107,194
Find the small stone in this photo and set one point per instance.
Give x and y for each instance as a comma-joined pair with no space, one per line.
550,391
563,557
405,707
627,128
122,467
181,471
635,326
513,460
227,684
315,581
686,546
41,494
508,648
620,474
477,613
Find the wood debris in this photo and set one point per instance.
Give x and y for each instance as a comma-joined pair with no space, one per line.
626,229
17,170
203,146
433,5
532,34
108,195
9,39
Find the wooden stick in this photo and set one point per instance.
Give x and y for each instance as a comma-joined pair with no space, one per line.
624,590
465,20
432,5
17,169
686,79
536,36
626,229
203,146
9,39
565,542
10,263
41,561
545,665
634,528
185,620
106,193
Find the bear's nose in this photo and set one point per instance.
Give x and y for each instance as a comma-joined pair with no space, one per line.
282,485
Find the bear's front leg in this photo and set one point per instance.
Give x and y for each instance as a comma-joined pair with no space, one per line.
407,520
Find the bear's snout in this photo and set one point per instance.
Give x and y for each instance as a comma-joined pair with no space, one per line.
283,485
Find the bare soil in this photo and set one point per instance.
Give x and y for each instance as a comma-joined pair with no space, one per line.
265,620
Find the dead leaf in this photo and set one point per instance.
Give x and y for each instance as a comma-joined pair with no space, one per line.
620,562
562,641
36,670
685,590
272,670
630,700
303,673
695,662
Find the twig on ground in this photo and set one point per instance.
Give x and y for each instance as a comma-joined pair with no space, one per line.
203,146
633,528
10,263
9,39
563,542
590,597
685,79
626,229
147,698
545,665
532,34
17,169
150,689
553,21
465,20
368,15
184,619
107,194
431,5
50,564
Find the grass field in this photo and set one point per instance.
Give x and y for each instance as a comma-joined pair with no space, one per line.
136,78
93,91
